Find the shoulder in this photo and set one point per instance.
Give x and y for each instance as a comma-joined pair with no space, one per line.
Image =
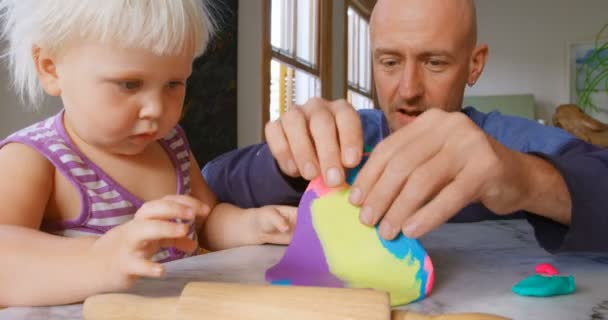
177,142
21,159
176,133
372,116
493,120
519,133
27,183
29,148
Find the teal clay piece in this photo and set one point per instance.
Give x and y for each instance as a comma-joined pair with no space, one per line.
545,286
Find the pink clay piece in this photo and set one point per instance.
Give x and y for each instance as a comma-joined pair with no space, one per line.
546,269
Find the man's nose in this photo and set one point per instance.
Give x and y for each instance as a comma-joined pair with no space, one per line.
411,85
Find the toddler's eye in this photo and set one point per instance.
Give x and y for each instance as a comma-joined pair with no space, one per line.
174,84
130,85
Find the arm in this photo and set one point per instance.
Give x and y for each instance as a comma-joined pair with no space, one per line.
37,272
202,192
249,177
229,226
584,169
49,270
415,184
44,269
545,191
569,213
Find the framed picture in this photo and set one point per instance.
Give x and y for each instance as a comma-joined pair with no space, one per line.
586,66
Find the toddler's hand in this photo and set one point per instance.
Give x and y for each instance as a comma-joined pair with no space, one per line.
275,223
125,250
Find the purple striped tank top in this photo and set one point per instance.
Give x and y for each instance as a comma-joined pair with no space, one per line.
104,203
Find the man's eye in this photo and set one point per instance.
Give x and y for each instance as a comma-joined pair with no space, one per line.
130,85
389,63
436,63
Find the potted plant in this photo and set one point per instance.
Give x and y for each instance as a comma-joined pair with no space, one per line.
587,117
592,78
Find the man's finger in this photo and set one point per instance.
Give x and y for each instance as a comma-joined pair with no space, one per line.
421,186
295,126
279,147
323,130
418,132
350,132
451,199
392,180
369,174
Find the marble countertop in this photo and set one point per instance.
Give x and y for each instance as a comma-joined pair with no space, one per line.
476,265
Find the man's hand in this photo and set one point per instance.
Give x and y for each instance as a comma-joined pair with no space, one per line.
426,172
318,137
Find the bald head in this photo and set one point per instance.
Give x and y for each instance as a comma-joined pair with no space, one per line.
424,54
455,15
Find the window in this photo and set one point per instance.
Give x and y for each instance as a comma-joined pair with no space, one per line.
359,69
295,66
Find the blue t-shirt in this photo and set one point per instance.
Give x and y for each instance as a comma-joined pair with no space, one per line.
249,177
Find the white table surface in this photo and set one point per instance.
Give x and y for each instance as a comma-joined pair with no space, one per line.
476,265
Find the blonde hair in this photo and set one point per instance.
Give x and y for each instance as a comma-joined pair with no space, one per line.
163,26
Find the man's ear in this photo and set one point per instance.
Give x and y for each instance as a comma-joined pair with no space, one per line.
47,70
478,62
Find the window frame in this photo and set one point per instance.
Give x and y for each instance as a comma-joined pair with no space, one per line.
364,9
323,54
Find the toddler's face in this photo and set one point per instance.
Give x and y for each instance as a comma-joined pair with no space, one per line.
120,100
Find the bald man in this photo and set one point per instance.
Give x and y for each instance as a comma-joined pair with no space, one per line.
433,161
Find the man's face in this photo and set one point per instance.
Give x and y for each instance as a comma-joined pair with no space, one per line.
422,56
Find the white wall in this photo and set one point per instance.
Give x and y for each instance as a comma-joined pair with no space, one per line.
13,115
249,84
528,43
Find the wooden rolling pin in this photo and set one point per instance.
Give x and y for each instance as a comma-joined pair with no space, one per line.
227,301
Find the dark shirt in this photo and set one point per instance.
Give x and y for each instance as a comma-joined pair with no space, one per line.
250,177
